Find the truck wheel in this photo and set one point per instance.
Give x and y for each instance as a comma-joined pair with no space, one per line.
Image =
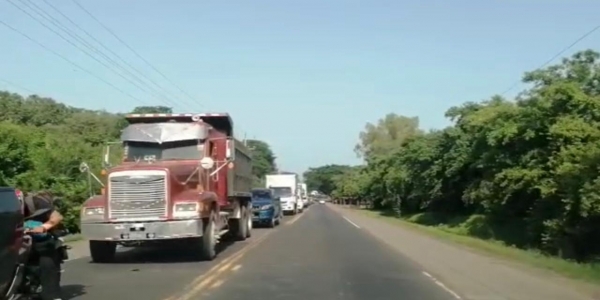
208,241
250,224
102,251
239,227
278,221
295,212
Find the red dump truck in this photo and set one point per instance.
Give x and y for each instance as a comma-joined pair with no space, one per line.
183,178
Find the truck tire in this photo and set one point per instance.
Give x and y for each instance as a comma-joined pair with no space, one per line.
250,224
295,211
240,226
102,251
208,242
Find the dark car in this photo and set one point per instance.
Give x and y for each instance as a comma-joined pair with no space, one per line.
11,237
266,208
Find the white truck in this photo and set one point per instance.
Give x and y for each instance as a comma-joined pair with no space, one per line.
285,186
303,192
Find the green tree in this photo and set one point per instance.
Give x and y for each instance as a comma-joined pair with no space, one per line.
524,172
263,161
152,110
323,178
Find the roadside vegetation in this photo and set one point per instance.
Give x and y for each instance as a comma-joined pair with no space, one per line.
43,142
518,173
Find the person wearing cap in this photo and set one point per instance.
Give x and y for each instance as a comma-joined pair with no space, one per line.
39,208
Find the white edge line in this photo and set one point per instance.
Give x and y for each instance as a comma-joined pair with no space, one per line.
440,284
350,221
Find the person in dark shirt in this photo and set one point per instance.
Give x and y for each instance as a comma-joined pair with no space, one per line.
39,207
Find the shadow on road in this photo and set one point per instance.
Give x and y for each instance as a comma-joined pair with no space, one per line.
163,254
72,291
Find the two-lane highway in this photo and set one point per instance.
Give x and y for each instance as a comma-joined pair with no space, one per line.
316,255
150,273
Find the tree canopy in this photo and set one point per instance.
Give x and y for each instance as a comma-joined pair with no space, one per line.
526,171
43,142
322,178
263,161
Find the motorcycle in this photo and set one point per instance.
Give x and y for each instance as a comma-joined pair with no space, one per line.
27,284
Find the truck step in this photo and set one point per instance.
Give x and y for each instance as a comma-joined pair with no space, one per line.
221,234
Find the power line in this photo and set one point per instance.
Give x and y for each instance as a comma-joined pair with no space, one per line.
581,38
17,85
75,45
70,61
139,73
134,52
194,101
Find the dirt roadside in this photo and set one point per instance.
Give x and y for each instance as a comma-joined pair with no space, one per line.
474,276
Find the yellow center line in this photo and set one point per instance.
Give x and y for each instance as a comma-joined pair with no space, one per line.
205,279
213,273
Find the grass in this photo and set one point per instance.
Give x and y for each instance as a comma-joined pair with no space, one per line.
589,273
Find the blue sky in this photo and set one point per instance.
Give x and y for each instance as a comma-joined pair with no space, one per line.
305,76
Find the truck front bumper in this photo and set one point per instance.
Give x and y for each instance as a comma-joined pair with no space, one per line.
287,206
142,231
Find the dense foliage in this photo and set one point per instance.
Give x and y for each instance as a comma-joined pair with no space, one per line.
525,171
322,179
263,161
43,142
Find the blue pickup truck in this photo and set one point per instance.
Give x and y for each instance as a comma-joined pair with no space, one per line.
266,209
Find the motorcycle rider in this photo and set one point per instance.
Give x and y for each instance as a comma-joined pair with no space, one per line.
39,207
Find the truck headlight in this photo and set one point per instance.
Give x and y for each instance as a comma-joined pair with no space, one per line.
265,207
185,210
93,211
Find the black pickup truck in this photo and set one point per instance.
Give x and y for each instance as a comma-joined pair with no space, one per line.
11,237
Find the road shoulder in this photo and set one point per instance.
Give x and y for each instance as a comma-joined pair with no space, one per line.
474,275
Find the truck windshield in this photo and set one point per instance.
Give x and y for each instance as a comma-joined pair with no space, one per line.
282,191
141,151
261,194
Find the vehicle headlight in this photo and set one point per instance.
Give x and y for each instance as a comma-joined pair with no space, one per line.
93,211
265,207
185,210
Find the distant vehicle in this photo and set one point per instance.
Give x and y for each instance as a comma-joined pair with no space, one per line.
11,240
183,178
303,193
266,209
285,187
322,201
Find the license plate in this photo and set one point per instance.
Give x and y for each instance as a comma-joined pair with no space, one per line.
137,235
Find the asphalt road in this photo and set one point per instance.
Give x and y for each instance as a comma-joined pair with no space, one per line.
316,255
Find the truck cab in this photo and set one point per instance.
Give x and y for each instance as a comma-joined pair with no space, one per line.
285,187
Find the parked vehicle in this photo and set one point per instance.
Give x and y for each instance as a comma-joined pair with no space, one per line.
303,193
284,186
12,256
183,178
266,209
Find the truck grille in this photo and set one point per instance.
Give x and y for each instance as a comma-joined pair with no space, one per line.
137,197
